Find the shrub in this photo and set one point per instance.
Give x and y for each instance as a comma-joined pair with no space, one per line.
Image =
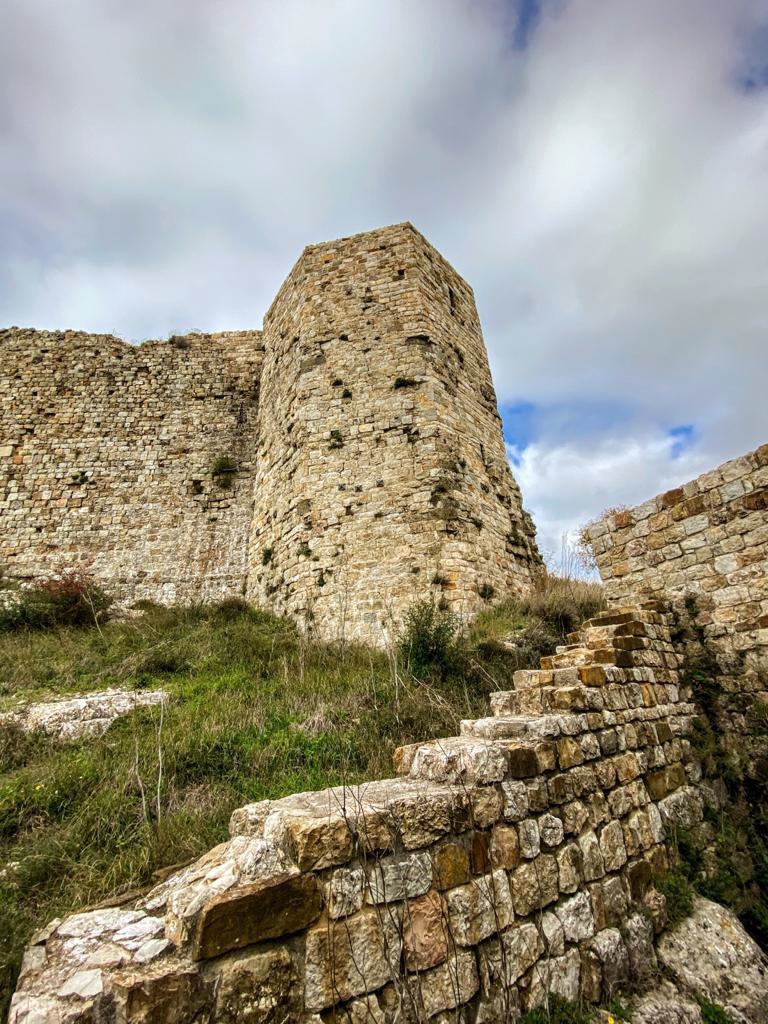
712,1013
73,598
224,469
562,602
678,893
429,643
230,608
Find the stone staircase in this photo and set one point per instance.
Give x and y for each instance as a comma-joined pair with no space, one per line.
615,677
515,859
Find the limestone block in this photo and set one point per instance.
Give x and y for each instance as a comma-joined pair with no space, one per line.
480,908
349,958
515,800
345,892
575,916
528,833
504,847
450,862
569,866
535,884
551,830
612,847
559,976
451,984
460,759
399,877
638,936
504,960
609,948
255,912
425,932
250,988
592,858
684,807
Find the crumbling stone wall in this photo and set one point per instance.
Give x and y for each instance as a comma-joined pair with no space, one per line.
371,472
705,546
107,453
382,471
513,860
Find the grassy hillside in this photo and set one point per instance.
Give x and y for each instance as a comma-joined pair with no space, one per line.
257,711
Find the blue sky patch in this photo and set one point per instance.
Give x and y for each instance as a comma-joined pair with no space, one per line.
681,438
527,18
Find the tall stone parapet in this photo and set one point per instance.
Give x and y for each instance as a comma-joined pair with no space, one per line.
382,475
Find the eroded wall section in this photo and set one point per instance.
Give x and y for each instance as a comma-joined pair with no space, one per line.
107,460
382,471
515,860
708,538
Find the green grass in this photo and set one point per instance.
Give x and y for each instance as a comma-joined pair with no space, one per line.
559,1011
713,1013
256,712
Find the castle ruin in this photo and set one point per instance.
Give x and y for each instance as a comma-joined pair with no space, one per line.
333,467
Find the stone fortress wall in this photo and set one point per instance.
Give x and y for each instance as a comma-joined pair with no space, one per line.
370,461
513,860
707,542
106,458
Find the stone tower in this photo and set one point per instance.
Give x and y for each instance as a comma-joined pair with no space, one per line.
381,470
335,467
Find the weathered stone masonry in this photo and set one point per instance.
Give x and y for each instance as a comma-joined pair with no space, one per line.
106,458
706,540
363,424
514,859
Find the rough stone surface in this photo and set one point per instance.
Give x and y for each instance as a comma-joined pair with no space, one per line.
88,714
334,467
458,898
709,953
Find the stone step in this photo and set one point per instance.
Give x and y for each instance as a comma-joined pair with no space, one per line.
528,678
573,659
524,727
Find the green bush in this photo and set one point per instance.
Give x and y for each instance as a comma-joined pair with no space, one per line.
713,1013
224,470
73,598
430,642
678,893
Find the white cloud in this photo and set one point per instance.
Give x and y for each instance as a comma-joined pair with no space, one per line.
567,485
162,164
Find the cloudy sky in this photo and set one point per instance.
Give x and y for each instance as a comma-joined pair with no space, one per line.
596,169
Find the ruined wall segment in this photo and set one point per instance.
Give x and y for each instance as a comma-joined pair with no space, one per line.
705,546
515,860
708,538
382,471
107,452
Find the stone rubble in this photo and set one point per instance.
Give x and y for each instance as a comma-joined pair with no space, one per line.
81,715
